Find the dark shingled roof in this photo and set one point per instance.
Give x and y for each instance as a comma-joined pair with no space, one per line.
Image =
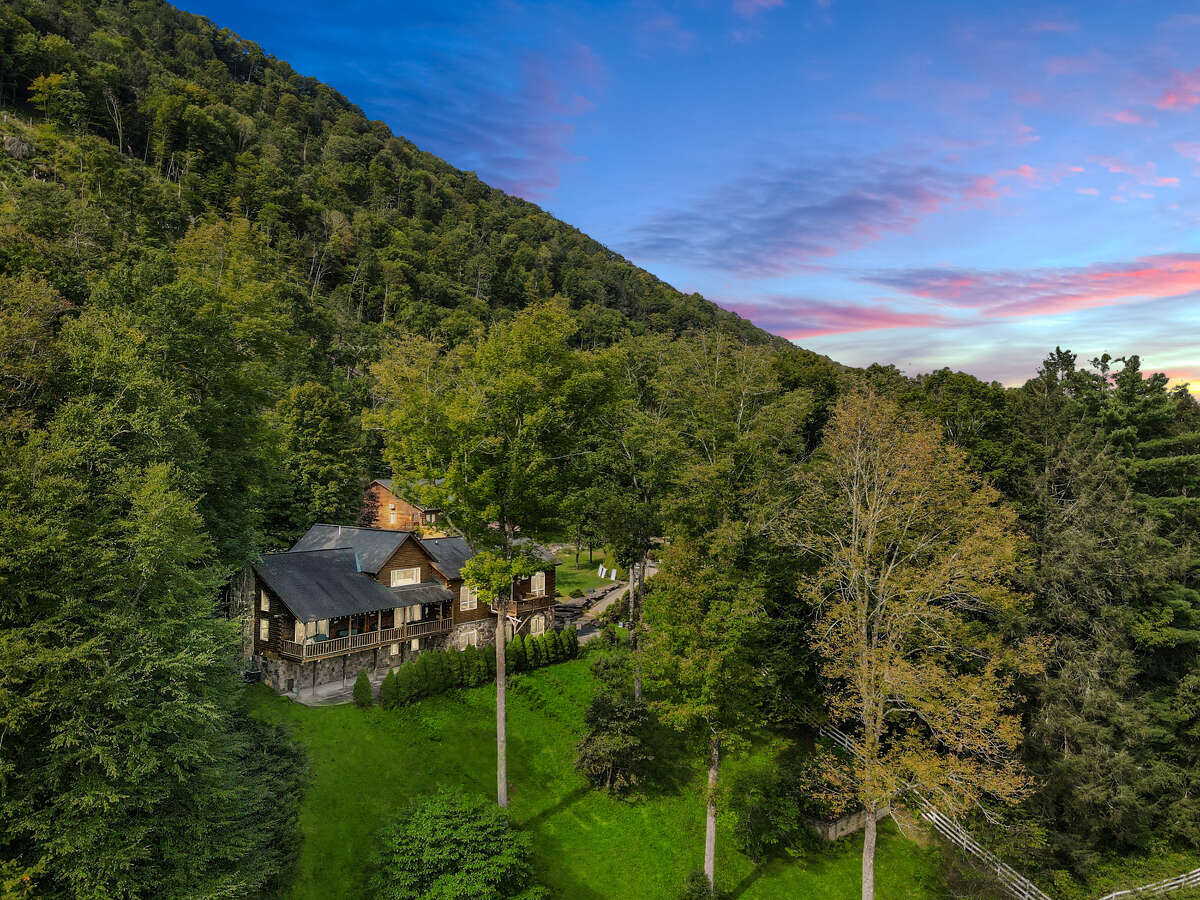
374,546
449,554
324,584
425,592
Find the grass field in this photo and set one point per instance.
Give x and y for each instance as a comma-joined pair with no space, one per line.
567,578
366,764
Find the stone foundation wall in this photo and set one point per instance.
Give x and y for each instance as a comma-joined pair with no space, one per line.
847,824
333,670
485,632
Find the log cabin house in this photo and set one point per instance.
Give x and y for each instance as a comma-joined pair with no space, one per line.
384,508
347,598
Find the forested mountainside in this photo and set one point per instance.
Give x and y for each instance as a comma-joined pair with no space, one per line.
167,122
227,299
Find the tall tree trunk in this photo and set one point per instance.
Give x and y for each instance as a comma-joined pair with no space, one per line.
868,857
501,714
710,824
635,623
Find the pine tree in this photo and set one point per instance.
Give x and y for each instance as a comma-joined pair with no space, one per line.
387,691
516,654
362,689
407,690
572,642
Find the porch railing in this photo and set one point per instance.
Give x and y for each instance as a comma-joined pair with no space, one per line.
530,603
365,641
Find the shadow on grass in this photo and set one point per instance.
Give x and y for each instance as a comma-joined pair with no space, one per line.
566,802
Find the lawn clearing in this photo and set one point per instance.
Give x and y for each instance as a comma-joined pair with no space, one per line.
568,578
365,764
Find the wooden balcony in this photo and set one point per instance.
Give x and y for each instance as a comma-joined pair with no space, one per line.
368,640
530,603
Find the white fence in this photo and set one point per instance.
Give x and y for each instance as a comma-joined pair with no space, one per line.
1017,885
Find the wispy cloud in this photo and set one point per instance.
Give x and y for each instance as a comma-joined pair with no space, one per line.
797,318
1046,291
1055,25
515,133
664,29
1183,91
751,8
780,219
1141,173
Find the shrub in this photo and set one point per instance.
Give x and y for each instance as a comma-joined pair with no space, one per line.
576,592
612,753
450,846
457,670
536,648
558,650
474,669
696,888
407,689
387,691
515,654
488,655
422,676
362,689
610,635
571,639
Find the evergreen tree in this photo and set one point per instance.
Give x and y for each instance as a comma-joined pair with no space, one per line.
388,694
362,689
516,654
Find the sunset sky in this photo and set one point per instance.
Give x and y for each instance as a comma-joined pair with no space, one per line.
913,183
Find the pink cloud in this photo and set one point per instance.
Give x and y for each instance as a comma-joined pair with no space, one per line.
1146,173
1071,65
1127,117
1183,93
1188,149
1040,292
750,8
1025,171
1092,191
1053,26
984,188
796,318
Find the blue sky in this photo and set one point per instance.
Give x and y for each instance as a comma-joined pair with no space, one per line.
923,184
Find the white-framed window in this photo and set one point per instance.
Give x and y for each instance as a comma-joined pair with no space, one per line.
415,644
264,629
472,637
537,625
392,517
406,576
467,599
395,649
264,602
537,584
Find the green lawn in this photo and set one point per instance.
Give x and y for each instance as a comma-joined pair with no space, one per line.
366,764
567,578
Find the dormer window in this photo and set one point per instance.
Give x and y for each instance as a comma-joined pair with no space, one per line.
401,577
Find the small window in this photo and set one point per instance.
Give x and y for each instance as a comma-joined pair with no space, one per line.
392,517
415,644
467,599
406,576
395,649
264,629
264,602
472,638
538,625
537,584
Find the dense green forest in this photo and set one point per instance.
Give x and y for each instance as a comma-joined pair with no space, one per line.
227,299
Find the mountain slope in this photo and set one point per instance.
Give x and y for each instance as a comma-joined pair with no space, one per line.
209,127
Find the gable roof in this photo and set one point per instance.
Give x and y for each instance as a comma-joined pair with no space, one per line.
373,546
449,554
323,584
